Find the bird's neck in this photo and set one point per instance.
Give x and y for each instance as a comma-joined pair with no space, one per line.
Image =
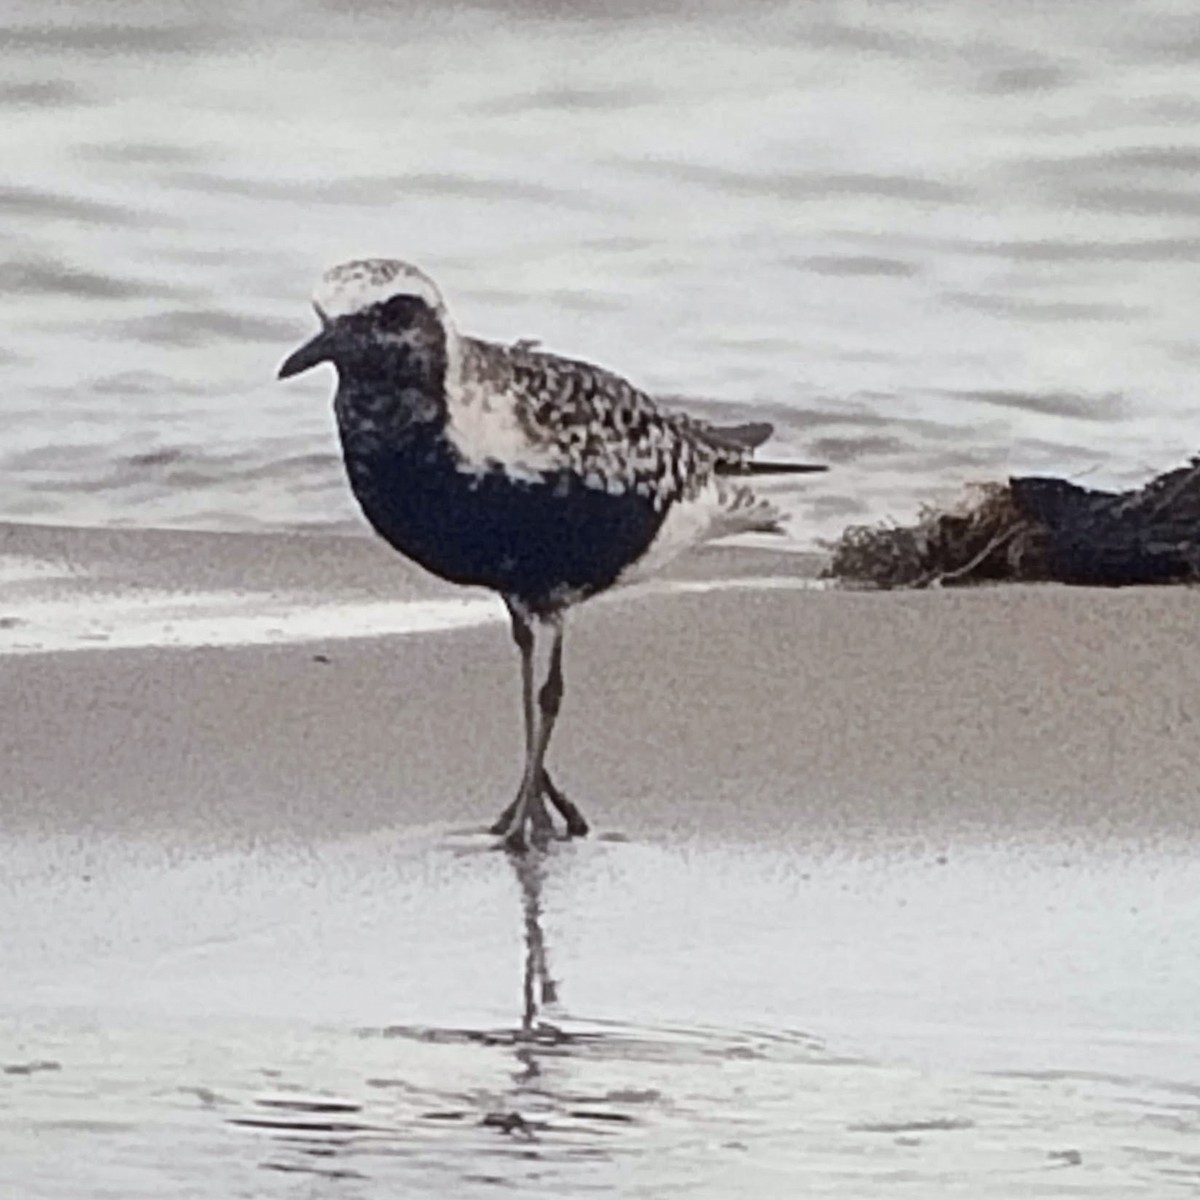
397,386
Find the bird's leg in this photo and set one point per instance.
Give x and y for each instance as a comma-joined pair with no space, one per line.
530,806
522,632
577,826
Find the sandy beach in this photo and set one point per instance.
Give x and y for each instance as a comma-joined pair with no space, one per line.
888,891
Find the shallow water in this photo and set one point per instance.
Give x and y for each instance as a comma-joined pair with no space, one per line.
730,1018
934,244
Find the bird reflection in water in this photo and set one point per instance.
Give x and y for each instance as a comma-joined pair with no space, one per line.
540,989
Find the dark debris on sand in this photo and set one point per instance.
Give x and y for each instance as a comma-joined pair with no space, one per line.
1036,529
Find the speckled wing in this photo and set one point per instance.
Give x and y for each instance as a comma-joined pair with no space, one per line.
613,436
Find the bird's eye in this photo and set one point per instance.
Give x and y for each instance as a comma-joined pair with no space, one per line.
402,311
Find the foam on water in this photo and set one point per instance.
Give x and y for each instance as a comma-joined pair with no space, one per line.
43,617
221,619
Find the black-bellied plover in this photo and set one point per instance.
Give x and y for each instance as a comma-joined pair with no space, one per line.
545,479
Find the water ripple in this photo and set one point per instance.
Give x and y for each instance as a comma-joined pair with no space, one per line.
913,235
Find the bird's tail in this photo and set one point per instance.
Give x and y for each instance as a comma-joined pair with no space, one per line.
747,436
742,440
781,468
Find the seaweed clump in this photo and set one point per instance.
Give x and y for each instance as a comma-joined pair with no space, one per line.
1036,529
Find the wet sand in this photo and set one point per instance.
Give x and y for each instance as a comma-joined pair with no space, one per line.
888,892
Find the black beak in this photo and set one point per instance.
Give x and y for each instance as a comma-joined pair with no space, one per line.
318,350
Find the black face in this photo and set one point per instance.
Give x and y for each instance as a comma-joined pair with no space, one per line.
402,313
403,331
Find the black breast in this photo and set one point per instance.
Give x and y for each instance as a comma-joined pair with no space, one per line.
532,539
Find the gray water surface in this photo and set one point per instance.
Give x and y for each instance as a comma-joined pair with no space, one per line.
934,243
729,1019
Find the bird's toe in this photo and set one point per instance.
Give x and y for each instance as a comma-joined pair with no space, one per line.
503,823
515,840
577,827
540,825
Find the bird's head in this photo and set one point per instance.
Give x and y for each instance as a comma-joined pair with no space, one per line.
371,308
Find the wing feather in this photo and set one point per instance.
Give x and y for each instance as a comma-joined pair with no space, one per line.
598,425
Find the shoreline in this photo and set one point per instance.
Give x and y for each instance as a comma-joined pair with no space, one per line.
64,588
756,706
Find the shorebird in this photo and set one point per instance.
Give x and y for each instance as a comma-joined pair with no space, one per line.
542,478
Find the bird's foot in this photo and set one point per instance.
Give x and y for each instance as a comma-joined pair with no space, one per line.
532,817
576,825
503,822
541,828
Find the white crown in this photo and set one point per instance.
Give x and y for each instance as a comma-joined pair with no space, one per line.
353,286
